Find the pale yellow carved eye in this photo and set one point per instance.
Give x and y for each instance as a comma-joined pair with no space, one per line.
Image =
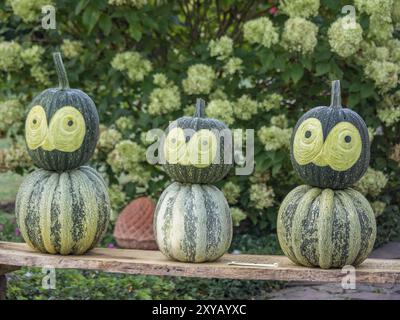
343,146
175,149
66,130
308,141
202,148
35,127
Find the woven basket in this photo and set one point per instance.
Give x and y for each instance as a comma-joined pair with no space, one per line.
134,226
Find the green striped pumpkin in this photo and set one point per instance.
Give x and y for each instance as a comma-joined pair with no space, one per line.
326,228
64,213
192,223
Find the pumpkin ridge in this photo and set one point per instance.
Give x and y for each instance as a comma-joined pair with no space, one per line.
31,222
324,229
367,223
355,228
45,220
284,221
297,223
25,196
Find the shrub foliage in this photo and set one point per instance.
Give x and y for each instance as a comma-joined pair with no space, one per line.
259,64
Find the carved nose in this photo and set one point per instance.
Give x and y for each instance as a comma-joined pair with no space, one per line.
48,145
319,160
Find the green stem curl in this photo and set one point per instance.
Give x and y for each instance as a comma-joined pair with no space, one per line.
200,108
336,99
61,73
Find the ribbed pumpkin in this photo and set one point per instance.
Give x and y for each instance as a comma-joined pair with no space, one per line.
326,228
193,150
63,213
62,126
192,223
134,226
330,146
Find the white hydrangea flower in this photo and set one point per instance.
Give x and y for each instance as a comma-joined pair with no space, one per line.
199,80
260,31
245,108
164,100
345,39
133,64
220,109
71,48
300,8
299,35
221,48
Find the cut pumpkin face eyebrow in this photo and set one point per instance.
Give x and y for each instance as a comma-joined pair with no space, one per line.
65,132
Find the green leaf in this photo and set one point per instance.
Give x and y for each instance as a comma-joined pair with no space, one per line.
306,62
105,24
286,76
322,68
80,6
90,18
367,91
354,99
296,72
135,33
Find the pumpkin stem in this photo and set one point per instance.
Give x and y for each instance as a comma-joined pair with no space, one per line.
61,73
200,108
336,99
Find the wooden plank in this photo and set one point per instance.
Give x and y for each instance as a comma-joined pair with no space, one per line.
154,263
3,287
7,269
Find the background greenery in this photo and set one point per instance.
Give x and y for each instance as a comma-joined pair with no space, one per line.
258,64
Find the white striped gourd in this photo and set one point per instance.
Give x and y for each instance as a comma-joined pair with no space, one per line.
64,213
192,223
326,228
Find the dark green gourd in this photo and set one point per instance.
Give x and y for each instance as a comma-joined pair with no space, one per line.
62,125
193,150
330,145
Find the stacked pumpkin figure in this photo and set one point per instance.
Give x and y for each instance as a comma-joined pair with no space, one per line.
326,223
192,221
63,207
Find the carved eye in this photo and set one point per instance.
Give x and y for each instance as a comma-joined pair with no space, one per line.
202,148
343,146
308,141
35,127
175,147
67,129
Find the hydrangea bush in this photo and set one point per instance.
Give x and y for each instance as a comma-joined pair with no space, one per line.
259,64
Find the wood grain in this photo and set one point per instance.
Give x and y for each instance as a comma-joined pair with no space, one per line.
154,263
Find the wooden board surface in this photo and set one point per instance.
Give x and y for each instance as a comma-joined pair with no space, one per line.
154,263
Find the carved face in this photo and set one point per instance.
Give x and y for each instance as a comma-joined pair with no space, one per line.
65,132
340,150
330,147
61,129
200,151
195,147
